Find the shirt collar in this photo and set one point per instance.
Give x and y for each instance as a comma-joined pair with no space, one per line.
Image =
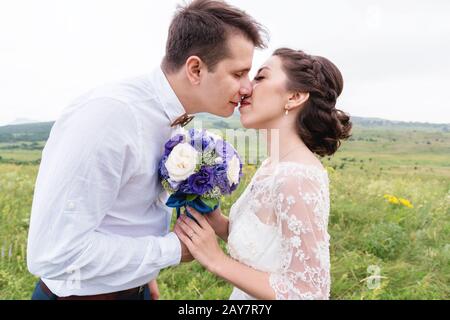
167,97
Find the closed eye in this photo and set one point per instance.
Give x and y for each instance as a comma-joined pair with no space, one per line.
258,78
241,74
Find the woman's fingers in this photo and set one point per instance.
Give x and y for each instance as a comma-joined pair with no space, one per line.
195,236
189,233
185,227
192,224
200,218
182,235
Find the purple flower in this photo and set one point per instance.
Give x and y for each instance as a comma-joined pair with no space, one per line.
200,140
185,188
173,184
202,181
162,168
176,139
224,150
221,179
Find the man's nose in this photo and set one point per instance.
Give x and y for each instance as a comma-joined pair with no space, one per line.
246,87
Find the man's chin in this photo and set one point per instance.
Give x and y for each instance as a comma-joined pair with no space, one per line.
223,113
229,114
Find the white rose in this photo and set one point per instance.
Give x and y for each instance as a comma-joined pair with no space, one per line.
233,170
181,162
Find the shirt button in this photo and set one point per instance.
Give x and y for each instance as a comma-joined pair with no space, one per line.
71,204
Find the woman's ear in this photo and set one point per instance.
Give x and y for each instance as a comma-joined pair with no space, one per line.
297,99
193,68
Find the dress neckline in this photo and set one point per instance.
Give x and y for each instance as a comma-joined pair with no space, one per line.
266,162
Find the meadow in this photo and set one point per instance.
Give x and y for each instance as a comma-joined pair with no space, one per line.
389,220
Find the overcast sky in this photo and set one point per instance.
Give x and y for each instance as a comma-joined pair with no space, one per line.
394,55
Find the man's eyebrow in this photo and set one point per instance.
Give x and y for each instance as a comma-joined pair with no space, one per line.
244,70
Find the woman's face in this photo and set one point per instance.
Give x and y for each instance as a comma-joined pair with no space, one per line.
266,106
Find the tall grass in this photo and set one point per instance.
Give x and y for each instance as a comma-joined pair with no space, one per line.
379,250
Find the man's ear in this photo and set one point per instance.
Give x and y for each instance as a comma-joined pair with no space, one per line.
194,66
297,99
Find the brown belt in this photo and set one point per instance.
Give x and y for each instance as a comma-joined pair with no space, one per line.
130,294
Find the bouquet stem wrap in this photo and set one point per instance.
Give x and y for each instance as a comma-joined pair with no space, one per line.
180,199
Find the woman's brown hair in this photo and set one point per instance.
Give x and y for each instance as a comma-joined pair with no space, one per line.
319,124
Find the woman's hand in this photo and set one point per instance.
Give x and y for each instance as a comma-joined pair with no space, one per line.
200,239
154,290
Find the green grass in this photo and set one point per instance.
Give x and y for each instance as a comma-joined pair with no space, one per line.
16,193
20,151
409,246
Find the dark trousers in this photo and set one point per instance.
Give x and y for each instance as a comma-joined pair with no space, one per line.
40,294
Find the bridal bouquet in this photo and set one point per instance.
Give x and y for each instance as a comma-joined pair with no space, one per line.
197,168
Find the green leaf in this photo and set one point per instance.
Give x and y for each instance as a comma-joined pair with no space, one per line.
191,197
210,202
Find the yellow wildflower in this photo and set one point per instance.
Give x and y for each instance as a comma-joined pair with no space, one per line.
391,199
406,203
394,200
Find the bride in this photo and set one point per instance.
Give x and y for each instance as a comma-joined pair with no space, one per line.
276,232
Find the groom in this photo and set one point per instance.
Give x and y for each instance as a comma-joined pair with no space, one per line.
99,226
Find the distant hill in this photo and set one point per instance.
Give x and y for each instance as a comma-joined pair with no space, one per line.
358,122
399,125
40,131
25,132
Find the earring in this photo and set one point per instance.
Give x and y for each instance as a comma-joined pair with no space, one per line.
286,113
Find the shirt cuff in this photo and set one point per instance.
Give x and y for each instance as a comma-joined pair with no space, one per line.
170,249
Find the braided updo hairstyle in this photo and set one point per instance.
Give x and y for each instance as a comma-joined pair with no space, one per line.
319,124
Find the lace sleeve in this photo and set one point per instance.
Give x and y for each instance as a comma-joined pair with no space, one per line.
302,207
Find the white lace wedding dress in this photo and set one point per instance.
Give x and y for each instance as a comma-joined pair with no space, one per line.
279,225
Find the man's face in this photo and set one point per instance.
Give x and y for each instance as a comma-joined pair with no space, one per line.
222,89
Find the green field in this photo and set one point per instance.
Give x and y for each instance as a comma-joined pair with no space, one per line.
408,247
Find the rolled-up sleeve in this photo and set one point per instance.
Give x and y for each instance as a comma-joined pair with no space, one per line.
90,155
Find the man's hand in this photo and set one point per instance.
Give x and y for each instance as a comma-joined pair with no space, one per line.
154,291
186,256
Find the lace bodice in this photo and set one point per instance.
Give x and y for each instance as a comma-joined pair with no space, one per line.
279,225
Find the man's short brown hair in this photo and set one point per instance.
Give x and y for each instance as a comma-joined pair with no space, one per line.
202,27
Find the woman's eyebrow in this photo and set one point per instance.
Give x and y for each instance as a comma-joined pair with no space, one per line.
262,68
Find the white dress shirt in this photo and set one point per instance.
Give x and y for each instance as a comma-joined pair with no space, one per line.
99,223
